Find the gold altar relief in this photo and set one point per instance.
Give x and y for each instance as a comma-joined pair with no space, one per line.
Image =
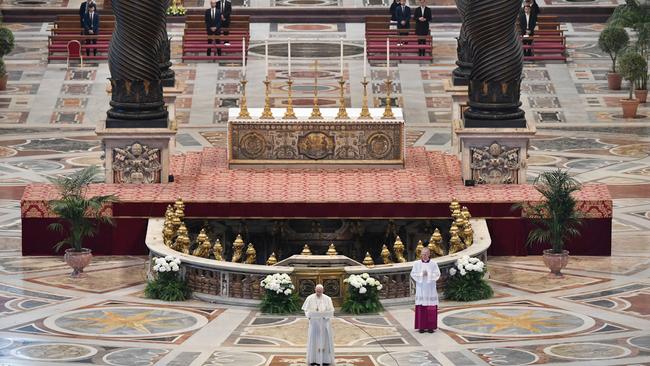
136,163
316,145
323,142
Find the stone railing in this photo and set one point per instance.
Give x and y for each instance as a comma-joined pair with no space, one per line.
239,283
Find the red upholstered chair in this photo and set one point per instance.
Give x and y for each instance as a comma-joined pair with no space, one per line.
74,51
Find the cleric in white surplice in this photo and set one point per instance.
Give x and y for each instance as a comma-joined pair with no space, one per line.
319,310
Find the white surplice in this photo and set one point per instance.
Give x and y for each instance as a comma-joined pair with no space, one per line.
425,284
320,339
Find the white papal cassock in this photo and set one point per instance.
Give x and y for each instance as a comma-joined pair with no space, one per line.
320,339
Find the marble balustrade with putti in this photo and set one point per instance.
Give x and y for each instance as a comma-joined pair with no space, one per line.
239,283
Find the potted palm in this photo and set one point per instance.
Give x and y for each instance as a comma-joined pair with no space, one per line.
556,219
613,40
6,46
632,66
79,215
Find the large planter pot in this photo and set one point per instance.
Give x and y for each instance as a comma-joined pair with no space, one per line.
78,260
556,262
630,107
3,82
614,80
641,95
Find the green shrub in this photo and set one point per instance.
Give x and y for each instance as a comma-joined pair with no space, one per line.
279,303
6,41
633,67
613,40
3,68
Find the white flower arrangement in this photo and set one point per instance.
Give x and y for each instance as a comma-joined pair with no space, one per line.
466,264
280,283
166,264
360,282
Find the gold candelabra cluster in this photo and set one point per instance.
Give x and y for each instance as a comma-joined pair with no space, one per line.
176,236
315,113
461,236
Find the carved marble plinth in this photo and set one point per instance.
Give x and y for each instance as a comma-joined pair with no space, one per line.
136,155
325,142
492,155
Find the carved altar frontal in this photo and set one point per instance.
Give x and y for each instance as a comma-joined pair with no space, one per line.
302,141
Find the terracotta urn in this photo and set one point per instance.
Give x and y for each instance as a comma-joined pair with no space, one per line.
630,106
614,80
641,95
3,82
556,262
78,260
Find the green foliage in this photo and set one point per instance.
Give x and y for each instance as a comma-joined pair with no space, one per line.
275,303
357,303
6,41
636,15
633,66
613,40
167,287
556,218
80,215
3,68
470,287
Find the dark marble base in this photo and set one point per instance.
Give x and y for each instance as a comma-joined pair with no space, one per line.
485,123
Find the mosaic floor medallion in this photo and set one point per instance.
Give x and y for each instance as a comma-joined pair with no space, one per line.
514,321
54,352
407,358
506,356
234,358
134,357
587,351
125,322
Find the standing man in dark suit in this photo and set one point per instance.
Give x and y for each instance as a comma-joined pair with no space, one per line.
213,23
83,10
225,8
422,17
91,27
403,16
527,24
393,6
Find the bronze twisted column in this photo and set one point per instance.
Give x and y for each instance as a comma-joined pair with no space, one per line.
464,58
134,62
497,64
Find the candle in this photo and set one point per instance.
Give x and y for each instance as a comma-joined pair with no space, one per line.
289,54
243,55
266,57
387,58
341,58
365,58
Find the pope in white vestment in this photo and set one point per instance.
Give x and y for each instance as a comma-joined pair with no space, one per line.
425,273
319,310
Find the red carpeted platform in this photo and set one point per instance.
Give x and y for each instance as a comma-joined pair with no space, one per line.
423,189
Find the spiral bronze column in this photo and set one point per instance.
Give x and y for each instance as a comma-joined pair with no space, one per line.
497,64
464,61
134,62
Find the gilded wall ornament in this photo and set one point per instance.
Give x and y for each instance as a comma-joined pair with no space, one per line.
316,145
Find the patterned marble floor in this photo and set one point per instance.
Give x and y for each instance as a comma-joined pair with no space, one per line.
598,315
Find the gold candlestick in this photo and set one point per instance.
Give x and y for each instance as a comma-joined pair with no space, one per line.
315,112
365,112
267,114
343,113
289,114
243,109
388,112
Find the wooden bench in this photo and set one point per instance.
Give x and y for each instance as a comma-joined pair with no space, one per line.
196,46
402,48
58,46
